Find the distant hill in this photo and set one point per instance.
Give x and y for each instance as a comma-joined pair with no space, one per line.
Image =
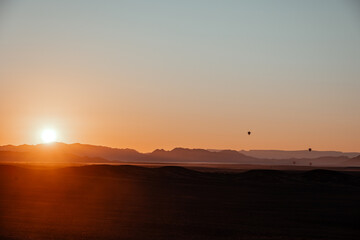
46,157
84,153
83,150
199,155
353,162
279,154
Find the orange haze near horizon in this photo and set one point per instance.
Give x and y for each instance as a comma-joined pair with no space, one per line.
146,132
195,74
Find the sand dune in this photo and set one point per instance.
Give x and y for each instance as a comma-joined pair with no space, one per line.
129,202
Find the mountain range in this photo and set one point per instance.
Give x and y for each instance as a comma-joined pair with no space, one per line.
85,153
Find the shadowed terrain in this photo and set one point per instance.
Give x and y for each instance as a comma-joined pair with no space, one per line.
131,202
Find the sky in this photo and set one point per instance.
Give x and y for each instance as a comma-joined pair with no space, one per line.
191,73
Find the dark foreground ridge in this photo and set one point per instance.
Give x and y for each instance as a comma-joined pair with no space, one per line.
131,202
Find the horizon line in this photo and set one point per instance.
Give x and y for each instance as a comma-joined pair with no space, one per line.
194,148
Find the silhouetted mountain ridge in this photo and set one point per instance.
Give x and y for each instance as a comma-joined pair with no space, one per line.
47,157
281,154
85,153
199,155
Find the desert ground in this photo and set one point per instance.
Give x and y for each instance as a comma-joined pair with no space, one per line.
174,202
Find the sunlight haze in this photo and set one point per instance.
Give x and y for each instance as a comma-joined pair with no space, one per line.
197,74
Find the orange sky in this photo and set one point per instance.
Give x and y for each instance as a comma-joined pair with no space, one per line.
190,75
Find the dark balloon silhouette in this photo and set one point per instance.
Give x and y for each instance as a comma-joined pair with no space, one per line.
310,149
249,132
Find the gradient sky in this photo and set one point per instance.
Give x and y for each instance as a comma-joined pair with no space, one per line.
198,74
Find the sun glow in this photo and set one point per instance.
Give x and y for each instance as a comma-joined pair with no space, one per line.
48,135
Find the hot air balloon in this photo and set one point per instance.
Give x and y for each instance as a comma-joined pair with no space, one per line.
249,132
310,149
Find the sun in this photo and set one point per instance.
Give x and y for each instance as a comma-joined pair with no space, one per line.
48,135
